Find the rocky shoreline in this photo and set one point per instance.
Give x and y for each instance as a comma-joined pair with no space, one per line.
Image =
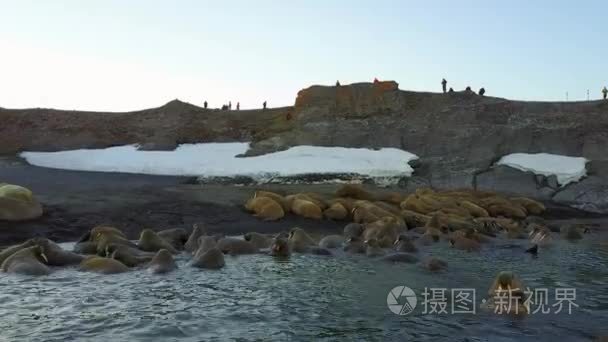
75,201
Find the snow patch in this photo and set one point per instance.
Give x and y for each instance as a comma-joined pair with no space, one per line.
566,169
219,160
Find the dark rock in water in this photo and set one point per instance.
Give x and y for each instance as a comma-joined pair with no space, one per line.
590,194
533,250
237,180
400,257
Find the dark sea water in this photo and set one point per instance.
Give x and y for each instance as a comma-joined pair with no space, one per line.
306,298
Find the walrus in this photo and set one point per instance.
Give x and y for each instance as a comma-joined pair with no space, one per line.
507,286
355,191
367,212
465,244
331,241
104,240
354,245
414,219
336,211
211,259
540,235
192,244
205,243
404,244
177,237
86,247
434,264
400,257
571,232
127,255
414,203
234,246
306,209
57,256
299,241
162,262
390,208
102,265
532,207
373,249
280,248
265,208
28,261
432,232
353,230
149,241
347,203
511,211
276,197
473,209
96,232
260,241
385,231
7,252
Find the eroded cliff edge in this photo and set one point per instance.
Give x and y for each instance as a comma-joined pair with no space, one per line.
458,136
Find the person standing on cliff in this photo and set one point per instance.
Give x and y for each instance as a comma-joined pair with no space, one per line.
605,92
444,85
238,106
229,105
205,104
264,105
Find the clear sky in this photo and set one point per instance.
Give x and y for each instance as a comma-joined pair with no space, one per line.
131,54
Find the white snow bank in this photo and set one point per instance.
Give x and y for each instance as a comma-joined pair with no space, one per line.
218,160
567,169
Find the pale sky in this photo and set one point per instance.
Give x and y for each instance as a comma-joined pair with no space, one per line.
115,55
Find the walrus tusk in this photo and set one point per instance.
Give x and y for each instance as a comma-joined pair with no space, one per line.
46,260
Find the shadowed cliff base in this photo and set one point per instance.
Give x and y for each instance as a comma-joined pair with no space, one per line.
458,136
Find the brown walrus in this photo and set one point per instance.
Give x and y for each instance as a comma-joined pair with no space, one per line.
29,261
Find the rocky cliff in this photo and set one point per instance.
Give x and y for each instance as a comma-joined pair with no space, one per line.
458,136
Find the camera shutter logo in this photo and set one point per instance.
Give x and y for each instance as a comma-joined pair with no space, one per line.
407,297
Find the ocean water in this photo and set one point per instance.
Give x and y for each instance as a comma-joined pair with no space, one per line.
307,298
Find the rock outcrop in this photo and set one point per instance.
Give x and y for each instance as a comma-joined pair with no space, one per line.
458,136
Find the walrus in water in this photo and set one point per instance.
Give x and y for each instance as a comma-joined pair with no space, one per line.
57,256
280,247
234,246
28,261
260,241
96,232
354,245
149,241
162,262
128,256
86,247
205,243
353,230
177,237
212,259
299,241
331,241
434,264
104,240
102,265
404,244
400,257
373,249
507,286
192,244
7,252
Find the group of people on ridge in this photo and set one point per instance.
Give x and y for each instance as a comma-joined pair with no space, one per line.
229,105
444,85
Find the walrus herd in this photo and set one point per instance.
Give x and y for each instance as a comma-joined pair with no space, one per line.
387,227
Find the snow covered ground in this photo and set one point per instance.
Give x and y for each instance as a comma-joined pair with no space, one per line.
567,169
218,160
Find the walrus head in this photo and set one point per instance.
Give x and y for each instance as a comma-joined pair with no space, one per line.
40,255
279,248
